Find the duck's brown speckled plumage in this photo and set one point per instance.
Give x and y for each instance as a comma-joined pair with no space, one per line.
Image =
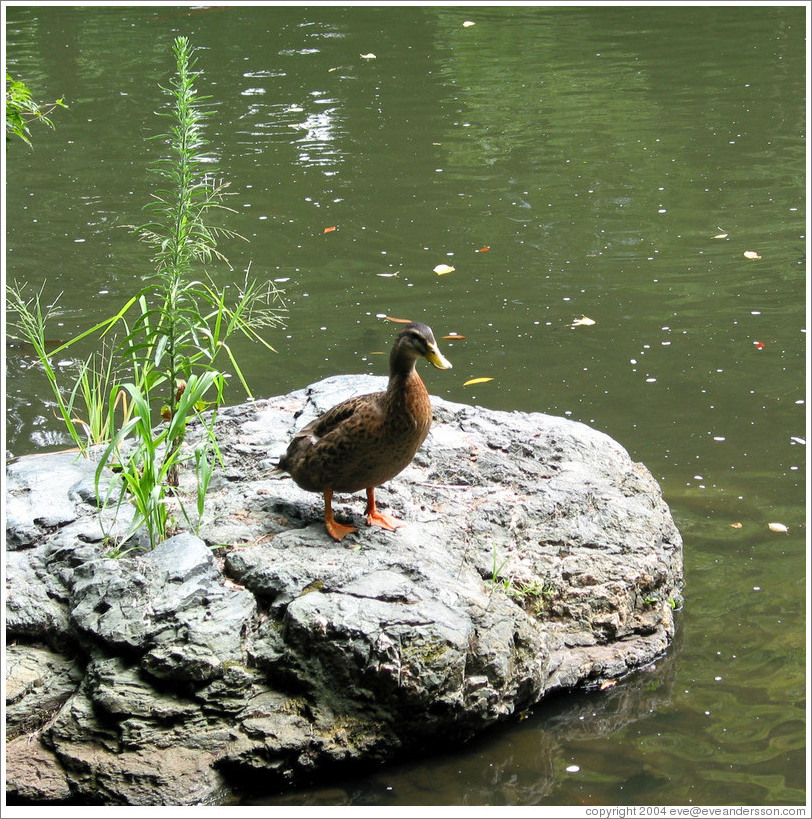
367,440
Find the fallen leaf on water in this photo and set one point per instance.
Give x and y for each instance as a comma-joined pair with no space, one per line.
608,684
736,525
777,527
398,320
387,275
476,381
453,337
483,249
751,254
759,345
582,321
720,236
369,56
331,69
442,269
329,229
468,24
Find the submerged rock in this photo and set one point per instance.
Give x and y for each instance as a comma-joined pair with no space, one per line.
536,556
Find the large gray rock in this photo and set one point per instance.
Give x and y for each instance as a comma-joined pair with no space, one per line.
537,556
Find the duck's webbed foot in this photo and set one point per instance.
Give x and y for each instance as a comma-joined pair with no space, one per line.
337,531
376,518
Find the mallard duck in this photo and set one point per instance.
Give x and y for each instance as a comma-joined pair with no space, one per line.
365,441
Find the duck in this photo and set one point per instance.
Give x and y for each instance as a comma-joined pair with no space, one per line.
367,440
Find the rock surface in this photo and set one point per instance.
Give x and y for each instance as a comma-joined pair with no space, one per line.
537,556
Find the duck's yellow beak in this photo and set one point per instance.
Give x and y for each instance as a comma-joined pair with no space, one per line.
435,357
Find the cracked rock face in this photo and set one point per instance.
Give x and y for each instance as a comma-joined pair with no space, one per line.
536,556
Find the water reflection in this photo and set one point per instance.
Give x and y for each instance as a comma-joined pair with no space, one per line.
315,147
520,765
30,394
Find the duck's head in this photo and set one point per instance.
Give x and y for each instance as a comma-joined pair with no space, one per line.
416,340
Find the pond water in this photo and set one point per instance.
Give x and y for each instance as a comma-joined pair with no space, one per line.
615,163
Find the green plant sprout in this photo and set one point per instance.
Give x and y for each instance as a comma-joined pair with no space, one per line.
21,110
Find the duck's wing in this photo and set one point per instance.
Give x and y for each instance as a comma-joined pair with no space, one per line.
346,415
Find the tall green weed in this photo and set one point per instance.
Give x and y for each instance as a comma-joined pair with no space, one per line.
165,354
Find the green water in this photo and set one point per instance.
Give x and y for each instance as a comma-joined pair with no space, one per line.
597,152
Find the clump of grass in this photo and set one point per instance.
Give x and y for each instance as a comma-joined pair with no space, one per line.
533,595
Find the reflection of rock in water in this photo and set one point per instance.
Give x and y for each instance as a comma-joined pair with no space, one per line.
600,713
531,752
516,764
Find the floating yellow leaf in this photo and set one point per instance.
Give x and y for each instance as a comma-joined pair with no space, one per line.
736,525
369,56
751,254
777,527
453,337
442,269
476,381
720,236
398,320
584,320
468,24
329,229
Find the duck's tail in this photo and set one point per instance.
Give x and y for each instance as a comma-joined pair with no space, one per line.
281,467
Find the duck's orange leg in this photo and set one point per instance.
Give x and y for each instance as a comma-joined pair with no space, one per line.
336,530
376,518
